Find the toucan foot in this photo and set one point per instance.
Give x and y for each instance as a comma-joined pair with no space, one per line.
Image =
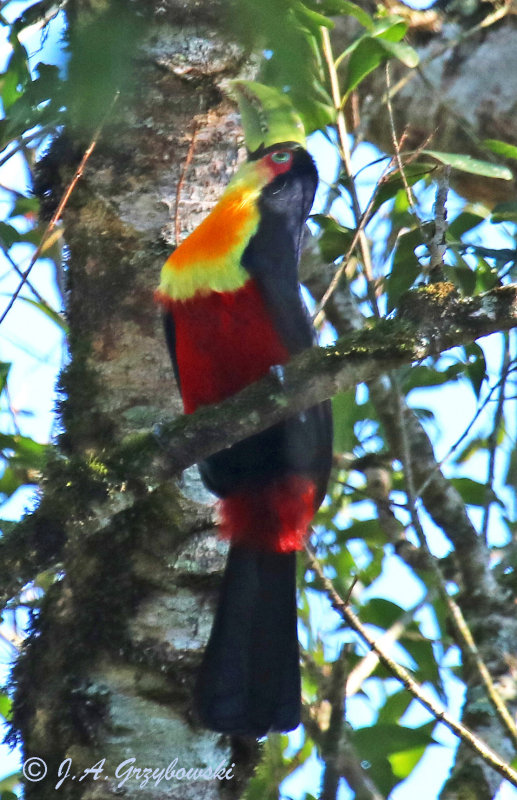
277,371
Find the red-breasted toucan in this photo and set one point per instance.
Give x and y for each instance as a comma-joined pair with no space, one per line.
232,310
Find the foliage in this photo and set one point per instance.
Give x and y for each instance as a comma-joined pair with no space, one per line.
376,515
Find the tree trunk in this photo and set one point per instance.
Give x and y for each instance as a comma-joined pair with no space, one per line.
106,675
463,92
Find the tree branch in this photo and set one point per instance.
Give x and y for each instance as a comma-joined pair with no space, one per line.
428,326
402,675
433,320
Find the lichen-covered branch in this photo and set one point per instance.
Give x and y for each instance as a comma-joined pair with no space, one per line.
315,375
432,321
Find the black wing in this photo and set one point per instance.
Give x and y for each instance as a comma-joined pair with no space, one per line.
303,443
170,338
273,253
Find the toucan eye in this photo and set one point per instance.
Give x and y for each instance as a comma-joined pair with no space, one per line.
282,157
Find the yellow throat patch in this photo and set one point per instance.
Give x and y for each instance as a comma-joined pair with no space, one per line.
209,260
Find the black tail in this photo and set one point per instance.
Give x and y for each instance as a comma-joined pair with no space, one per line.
249,682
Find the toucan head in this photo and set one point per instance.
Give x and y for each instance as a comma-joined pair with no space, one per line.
291,178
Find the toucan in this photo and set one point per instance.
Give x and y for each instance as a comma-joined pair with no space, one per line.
233,312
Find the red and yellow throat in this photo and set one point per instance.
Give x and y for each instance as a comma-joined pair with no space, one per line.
209,260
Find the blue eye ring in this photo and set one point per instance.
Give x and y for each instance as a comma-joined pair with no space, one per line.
281,157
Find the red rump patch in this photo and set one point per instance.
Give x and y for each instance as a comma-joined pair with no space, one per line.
273,517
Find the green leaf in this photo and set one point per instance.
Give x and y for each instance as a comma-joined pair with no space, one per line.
49,312
5,705
335,239
385,739
25,207
466,163
420,648
394,183
378,744
367,52
8,235
501,148
461,275
10,482
5,366
486,277
5,786
365,57
345,568
466,221
421,376
472,492
9,87
402,51
26,453
334,7
344,416
380,612
504,212
367,530
16,76
391,28
395,707
311,18
315,114
405,269
476,366
403,763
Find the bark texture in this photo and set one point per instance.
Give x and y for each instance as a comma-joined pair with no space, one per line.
107,673
463,91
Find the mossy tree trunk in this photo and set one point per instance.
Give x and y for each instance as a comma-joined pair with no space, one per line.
107,672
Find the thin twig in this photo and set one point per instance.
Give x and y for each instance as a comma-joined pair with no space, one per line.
465,638
469,644
346,156
364,219
437,245
22,143
62,203
188,159
397,146
458,441
492,439
19,272
366,666
412,686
